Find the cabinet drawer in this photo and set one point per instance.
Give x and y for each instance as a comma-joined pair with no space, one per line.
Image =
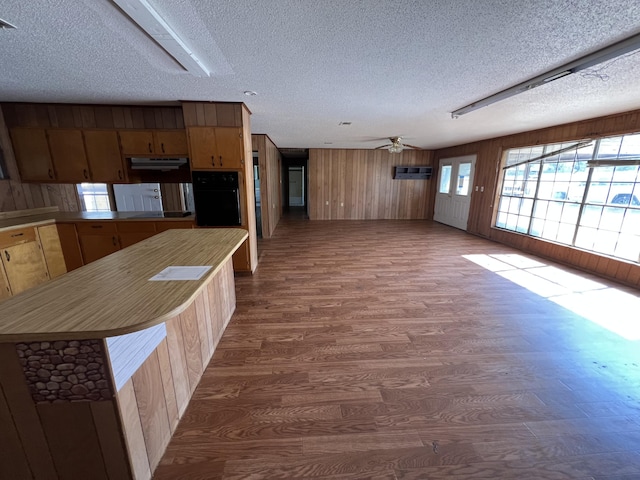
17,236
136,227
87,228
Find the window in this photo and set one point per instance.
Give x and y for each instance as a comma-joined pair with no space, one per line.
94,197
580,194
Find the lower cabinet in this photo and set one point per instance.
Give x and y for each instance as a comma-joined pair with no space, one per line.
241,259
23,261
5,290
97,240
52,250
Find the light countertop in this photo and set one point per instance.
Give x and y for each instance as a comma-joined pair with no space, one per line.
113,295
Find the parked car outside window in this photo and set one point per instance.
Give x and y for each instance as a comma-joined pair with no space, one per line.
625,199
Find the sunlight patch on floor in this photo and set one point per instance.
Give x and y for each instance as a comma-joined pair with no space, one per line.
609,307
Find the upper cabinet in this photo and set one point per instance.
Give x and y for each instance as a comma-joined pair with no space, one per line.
68,155
32,154
216,148
153,142
103,155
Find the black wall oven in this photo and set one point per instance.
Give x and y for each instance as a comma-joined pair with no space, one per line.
216,198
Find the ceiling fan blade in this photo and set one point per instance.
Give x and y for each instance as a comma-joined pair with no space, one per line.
411,146
383,146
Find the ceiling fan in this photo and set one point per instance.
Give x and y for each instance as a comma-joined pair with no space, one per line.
396,146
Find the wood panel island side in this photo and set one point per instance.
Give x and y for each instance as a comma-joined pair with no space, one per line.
98,365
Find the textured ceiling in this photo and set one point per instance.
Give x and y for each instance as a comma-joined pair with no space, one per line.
389,67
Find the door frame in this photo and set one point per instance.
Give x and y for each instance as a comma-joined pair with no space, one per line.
449,217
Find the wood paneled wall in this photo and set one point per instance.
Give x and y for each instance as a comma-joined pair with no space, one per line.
359,185
488,163
270,163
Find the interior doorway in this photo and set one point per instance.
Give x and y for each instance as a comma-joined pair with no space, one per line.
296,186
453,197
258,196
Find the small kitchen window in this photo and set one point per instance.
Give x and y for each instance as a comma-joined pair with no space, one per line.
94,197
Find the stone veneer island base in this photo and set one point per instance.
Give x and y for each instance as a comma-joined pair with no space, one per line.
94,388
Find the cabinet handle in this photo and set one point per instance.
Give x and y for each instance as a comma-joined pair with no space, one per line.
115,241
150,150
120,174
96,226
17,234
50,173
86,174
156,197
220,160
213,160
162,147
6,254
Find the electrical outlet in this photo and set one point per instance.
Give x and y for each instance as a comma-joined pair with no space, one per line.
342,204
327,202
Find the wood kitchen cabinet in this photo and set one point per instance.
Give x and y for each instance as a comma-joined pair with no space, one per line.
22,259
68,155
216,148
97,240
32,154
241,259
130,233
153,142
5,290
52,250
103,155
70,245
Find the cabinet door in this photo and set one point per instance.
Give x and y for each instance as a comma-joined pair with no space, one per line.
70,245
32,154
68,155
97,240
103,155
136,142
202,148
25,266
5,290
132,232
52,250
229,148
97,246
241,261
171,143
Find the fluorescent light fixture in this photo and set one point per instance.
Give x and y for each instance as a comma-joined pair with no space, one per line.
612,51
149,20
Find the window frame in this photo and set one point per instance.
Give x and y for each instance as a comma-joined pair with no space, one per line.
562,167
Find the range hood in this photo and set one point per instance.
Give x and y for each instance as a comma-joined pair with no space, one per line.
153,163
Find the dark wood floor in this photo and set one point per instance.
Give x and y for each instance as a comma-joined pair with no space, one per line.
376,350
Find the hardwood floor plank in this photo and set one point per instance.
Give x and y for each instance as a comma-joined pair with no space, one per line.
378,349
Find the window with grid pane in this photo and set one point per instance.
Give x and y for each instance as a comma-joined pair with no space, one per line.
583,194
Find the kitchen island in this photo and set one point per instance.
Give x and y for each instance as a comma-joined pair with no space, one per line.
98,365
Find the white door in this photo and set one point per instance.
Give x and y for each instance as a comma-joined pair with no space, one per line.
138,197
453,198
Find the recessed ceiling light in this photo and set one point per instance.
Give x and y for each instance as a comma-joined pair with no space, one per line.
250,93
5,25
328,143
344,123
